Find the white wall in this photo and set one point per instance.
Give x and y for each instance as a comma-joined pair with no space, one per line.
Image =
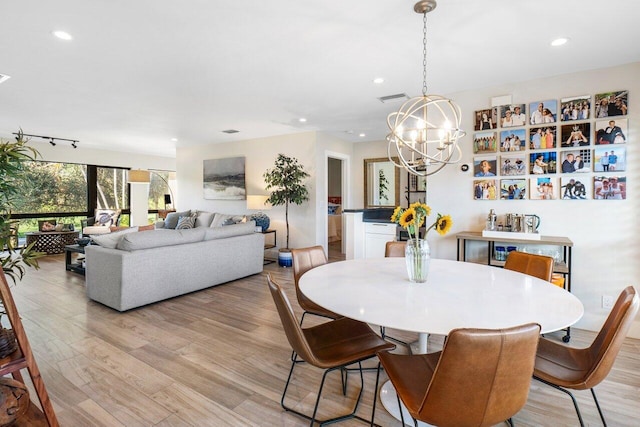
260,155
606,250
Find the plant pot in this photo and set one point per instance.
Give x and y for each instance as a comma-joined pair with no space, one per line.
284,258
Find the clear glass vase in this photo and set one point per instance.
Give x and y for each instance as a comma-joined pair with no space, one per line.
418,257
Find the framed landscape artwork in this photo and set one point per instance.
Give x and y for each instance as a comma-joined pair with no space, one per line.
223,179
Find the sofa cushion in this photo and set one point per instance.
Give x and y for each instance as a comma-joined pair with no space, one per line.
172,218
230,230
158,238
186,222
204,219
112,239
224,219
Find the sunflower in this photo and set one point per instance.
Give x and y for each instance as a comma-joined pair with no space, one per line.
443,224
396,214
407,218
422,206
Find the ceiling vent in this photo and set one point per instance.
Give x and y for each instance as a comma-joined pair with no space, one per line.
230,131
391,98
4,78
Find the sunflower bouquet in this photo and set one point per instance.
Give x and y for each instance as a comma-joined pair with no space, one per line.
417,253
415,216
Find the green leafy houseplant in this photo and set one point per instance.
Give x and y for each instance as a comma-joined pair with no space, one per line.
286,183
13,154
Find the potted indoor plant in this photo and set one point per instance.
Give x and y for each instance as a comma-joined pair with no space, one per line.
14,260
286,183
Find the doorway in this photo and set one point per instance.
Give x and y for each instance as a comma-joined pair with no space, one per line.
336,185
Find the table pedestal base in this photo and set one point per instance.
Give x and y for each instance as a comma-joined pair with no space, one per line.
390,403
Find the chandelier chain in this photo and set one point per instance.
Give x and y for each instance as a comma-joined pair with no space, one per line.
424,54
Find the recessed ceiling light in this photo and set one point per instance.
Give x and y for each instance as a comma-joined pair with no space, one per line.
378,80
362,135
559,41
174,139
302,120
63,35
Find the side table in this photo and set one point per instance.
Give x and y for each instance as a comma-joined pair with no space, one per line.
69,264
51,242
270,245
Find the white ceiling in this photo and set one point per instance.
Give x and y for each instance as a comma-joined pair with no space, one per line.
141,72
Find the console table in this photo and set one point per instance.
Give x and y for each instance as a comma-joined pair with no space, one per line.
562,267
51,242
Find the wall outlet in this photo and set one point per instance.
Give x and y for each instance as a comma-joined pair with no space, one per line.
607,301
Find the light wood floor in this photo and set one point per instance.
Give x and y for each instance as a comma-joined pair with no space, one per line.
220,358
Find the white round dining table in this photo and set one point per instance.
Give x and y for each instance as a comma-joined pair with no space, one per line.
455,295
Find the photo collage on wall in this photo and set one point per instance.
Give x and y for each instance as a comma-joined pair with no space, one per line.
567,149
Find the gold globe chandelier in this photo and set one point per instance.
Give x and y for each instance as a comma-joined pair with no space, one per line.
426,129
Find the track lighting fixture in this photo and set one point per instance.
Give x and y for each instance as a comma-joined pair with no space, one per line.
52,139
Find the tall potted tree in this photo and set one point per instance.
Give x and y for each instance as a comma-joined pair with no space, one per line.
286,183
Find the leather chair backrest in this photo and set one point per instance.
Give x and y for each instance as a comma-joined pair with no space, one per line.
394,249
482,377
539,266
606,346
292,329
304,259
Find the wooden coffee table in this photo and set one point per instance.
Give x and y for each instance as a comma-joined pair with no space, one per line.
51,242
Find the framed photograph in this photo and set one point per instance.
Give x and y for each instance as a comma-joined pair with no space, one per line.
544,188
223,179
485,142
484,166
513,189
513,165
543,163
486,119
574,188
611,131
609,187
609,159
575,108
513,140
575,161
484,189
543,137
542,112
575,135
513,115
611,104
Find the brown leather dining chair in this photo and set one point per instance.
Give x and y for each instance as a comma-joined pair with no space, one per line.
565,368
304,259
480,378
329,346
394,249
539,266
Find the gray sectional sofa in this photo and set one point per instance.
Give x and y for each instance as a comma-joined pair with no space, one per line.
133,269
